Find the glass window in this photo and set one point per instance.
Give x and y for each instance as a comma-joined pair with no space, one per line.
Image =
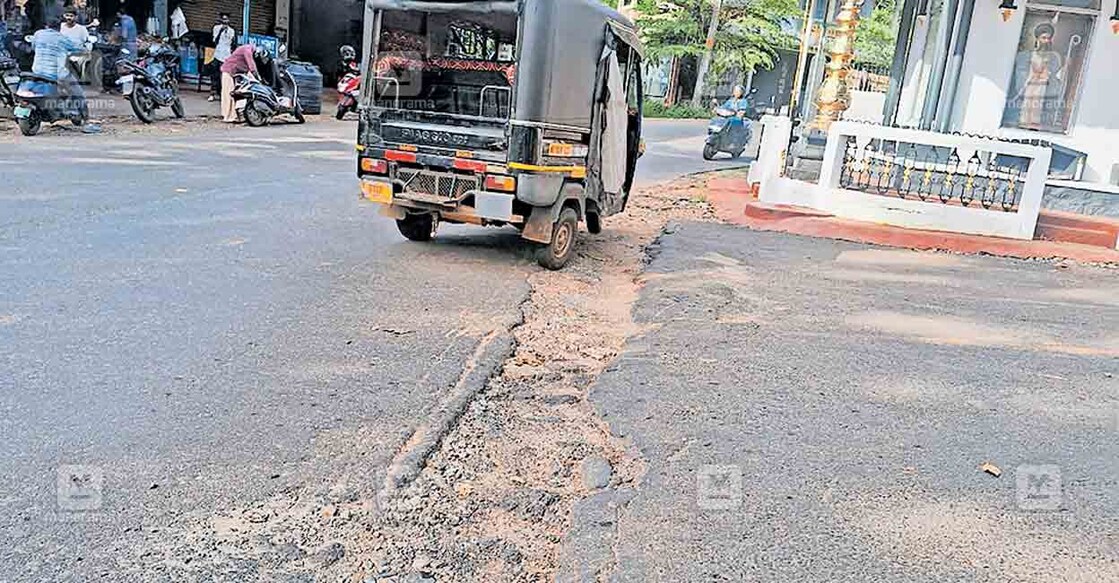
1048,69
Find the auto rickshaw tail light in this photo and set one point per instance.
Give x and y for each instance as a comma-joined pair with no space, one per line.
374,166
501,183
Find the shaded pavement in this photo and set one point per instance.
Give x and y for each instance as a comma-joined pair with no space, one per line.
811,410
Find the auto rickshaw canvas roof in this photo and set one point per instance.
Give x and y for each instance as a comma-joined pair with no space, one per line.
561,46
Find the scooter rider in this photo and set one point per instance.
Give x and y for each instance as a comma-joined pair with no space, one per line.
738,103
268,70
52,53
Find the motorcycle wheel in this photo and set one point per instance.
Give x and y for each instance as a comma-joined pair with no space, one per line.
341,113
255,117
709,152
142,106
177,108
737,155
30,126
298,114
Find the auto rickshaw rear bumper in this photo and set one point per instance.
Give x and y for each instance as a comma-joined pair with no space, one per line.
484,208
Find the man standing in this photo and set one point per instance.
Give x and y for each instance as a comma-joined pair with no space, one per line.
72,28
241,61
74,31
223,47
128,32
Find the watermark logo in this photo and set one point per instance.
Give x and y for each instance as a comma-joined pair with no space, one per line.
1039,488
719,487
399,75
80,488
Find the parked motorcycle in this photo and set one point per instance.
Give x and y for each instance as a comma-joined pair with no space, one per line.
729,131
152,82
349,84
258,103
9,78
39,101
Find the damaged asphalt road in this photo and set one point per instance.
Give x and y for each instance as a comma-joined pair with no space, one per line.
813,410
205,334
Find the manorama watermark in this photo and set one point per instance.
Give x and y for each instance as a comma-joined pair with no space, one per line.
79,493
1038,488
719,487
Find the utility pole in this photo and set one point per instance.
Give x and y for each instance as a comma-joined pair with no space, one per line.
705,62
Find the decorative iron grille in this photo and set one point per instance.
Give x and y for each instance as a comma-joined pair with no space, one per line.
934,173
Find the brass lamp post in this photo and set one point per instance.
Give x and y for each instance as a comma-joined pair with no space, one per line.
834,96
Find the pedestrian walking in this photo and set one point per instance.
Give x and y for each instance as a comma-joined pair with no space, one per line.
129,34
240,62
224,36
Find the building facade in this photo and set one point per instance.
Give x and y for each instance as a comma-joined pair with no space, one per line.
1026,69
1050,71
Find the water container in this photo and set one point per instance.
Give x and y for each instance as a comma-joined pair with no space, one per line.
309,80
190,63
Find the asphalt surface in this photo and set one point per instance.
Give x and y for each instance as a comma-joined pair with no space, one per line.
196,319
811,410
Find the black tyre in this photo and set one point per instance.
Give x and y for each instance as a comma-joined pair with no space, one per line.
298,114
417,227
142,105
738,154
565,233
709,152
254,116
30,126
340,114
178,109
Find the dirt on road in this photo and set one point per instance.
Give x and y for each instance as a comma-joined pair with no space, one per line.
495,500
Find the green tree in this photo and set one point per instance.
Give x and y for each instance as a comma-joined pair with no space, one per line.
749,35
877,35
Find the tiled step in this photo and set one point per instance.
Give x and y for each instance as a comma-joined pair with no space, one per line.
1074,228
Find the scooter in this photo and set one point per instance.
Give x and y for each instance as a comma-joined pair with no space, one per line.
152,82
259,104
729,131
9,78
349,86
39,101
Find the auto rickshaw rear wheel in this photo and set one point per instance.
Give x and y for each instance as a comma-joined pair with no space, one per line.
417,227
565,232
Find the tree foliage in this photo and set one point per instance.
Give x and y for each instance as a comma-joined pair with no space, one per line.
874,44
749,36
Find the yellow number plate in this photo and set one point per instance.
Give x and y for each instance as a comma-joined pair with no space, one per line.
378,192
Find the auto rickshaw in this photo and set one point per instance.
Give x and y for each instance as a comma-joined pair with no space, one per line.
500,112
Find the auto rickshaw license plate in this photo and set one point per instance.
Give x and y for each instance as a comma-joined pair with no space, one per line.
22,112
378,192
